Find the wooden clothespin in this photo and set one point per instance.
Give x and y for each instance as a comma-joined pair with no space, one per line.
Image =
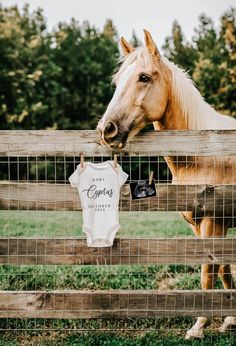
150,178
115,160
82,160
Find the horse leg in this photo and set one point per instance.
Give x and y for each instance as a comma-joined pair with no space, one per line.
226,277
209,274
208,279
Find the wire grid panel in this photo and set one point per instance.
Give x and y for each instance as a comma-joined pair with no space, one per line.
141,221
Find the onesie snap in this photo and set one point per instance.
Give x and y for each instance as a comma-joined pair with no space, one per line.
99,186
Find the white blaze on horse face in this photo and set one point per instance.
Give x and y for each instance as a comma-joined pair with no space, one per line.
116,100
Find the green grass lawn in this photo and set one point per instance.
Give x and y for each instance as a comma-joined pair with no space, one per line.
69,223
143,332
66,223
160,331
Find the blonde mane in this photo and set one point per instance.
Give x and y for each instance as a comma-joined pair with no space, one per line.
198,114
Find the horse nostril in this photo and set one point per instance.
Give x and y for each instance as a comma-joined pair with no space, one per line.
110,130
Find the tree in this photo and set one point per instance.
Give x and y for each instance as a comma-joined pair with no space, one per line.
53,80
215,68
227,89
110,30
135,41
177,49
24,51
209,59
87,59
62,79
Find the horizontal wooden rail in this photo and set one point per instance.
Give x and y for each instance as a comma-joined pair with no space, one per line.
116,304
124,251
72,143
202,199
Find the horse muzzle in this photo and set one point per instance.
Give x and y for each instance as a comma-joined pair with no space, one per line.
112,136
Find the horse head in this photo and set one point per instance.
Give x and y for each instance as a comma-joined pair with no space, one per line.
140,97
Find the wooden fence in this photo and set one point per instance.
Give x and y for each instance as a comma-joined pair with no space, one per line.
50,251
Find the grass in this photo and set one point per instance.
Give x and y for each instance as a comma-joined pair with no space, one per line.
160,333
96,277
56,224
136,332
69,223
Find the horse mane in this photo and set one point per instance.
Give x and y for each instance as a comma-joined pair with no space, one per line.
198,114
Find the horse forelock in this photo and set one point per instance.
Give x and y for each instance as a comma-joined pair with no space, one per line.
140,57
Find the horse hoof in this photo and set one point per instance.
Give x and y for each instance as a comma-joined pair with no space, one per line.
223,328
228,322
194,334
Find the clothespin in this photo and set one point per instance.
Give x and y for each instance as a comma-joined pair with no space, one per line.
150,178
82,160
115,160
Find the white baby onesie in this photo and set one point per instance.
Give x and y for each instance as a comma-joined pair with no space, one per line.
99,190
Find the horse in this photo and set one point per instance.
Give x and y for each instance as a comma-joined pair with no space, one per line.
151,89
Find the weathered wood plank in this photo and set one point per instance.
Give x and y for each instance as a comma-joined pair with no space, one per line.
202,199
116,304
72,143
124,251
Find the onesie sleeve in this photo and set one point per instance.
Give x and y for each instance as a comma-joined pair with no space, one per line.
122,176
74,178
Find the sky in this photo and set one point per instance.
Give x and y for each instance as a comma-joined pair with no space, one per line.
156,16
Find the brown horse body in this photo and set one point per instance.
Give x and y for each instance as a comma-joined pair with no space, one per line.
151,89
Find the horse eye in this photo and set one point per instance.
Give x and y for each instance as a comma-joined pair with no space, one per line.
144,78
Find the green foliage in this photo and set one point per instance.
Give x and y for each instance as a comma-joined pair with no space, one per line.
215,72
210,59
135,42
62,79
87,60
57,80
178,50
23,58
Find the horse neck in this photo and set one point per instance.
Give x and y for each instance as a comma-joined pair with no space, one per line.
201,116
186,108
173,119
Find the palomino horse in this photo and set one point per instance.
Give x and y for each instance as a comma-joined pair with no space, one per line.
149,88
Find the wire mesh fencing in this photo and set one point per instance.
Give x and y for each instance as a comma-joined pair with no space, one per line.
150,279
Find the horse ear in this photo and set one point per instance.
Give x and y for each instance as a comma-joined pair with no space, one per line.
125,46
150,44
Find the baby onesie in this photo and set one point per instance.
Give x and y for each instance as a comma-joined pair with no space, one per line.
99,190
